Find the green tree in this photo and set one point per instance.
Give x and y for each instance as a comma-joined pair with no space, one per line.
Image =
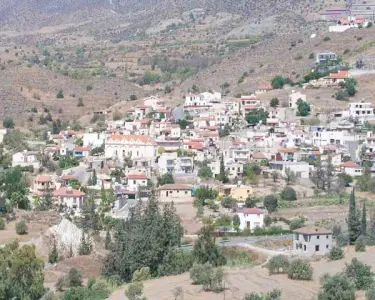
338,286
135,291
21,272
144,239
205,172
303,108
205,249
204,193
8,123
346,178
21,227
236,222
278,82
2,224
300,269
225,131
364,220
74,278
351,90
94,178
270,203
108,240
353,220
360,274
89,218
228,202
222,175
272,295
336,253
278,264
141,275
60,94
290,176
257,116
85,246
53,256
274,102
251,201
133,97
288,193
370,293
360,244
183,123
166,178
176,261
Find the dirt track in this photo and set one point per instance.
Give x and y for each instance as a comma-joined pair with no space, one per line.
242,281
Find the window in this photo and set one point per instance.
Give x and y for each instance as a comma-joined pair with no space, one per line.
134,182
326,236
316,248
186,192
317,237
327,246
304,247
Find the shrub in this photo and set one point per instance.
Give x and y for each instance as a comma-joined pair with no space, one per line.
134,291
336,253
141,275
272,295
270,203
89,88
133,97
21,227
2,224
370,293
200,274
342,240
74,278
326,39
278,264
90,283
360,273
267,220
336,287
288,193
298,223
336,230
300,269
8,123
360,244
60,94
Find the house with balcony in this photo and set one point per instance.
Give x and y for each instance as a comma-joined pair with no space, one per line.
43,184
362,111
172,163
69,198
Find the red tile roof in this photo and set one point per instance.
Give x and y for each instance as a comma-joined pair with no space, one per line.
68,192
259,156
81,149
252,211
144,139
43,178
340,75
265,87
68,177
349,164
286,150
137,177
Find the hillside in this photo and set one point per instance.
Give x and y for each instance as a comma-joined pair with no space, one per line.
105,51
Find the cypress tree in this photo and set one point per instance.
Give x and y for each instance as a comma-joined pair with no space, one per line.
222,176
94,178
53,256
364,220
107,241
354,222
85,245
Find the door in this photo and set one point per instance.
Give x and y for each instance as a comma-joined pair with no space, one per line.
248,224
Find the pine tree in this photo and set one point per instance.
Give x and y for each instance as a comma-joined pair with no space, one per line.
364,220
53,256
85,245
354,222
108,240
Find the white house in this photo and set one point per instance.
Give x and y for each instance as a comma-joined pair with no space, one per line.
69,197
351,168
129,146
136,180
93,139
251,218
362,111
26,159
196,100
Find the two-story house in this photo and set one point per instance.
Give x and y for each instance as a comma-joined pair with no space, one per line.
251,218
312,241
69,197
42,184
136,180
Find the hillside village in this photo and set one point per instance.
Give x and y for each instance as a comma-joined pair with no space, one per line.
187,151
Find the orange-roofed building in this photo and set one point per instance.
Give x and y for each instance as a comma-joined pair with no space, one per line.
70,198
42,184
136,180
351,168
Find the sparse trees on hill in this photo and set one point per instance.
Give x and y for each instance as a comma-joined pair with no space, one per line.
353,220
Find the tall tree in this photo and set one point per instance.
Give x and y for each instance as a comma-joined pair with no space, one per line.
206,250
354,222
222,175
53,256
364,220
94,178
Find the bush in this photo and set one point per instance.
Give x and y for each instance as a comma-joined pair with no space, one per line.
336,253
141,275
270,203
300,269
272,295
278,264
336,287
2,224
211,278
60,94
342,240
133,97
288,193
298,223
134,291
176,262
8,123
326,39
360,273
370,293
360,244
21,227
336,230
267,220
74,278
